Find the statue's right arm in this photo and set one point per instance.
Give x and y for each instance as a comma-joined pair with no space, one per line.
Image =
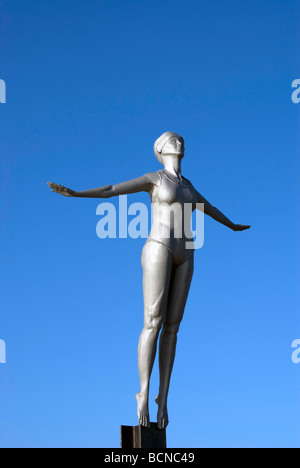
141,184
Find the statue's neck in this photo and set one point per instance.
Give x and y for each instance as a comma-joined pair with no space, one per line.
172,164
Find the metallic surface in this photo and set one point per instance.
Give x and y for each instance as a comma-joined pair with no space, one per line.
167,263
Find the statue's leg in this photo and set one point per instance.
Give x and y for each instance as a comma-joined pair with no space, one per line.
157,268
179,289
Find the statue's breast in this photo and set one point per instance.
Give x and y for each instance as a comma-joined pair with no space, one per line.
170,192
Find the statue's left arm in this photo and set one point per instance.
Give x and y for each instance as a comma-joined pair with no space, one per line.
217,215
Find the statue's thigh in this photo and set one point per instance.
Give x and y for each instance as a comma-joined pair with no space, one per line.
157,269
179,290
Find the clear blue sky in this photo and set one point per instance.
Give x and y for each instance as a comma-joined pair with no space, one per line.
90,86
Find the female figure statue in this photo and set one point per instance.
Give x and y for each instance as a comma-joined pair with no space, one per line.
167,263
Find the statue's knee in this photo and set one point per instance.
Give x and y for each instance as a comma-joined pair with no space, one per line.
154,323
172,328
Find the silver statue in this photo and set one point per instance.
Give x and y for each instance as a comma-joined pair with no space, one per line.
167,263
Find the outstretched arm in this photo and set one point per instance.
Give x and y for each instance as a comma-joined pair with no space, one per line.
141,184
214,213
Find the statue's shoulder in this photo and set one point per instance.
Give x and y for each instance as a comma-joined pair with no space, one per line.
154,177
186,181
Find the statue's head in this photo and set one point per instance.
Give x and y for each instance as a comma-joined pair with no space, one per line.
169,144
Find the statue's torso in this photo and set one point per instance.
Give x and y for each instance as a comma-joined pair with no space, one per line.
173,202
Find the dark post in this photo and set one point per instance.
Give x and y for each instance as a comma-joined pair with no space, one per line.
143,437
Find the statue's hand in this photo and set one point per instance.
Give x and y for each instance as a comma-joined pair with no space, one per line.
66,192
240,227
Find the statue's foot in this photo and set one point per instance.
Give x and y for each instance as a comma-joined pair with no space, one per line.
142,409
162,414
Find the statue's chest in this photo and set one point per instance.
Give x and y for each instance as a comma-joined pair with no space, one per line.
170,192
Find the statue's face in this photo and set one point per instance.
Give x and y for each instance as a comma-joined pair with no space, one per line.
174,146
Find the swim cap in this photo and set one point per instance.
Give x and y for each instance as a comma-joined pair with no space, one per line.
161,141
